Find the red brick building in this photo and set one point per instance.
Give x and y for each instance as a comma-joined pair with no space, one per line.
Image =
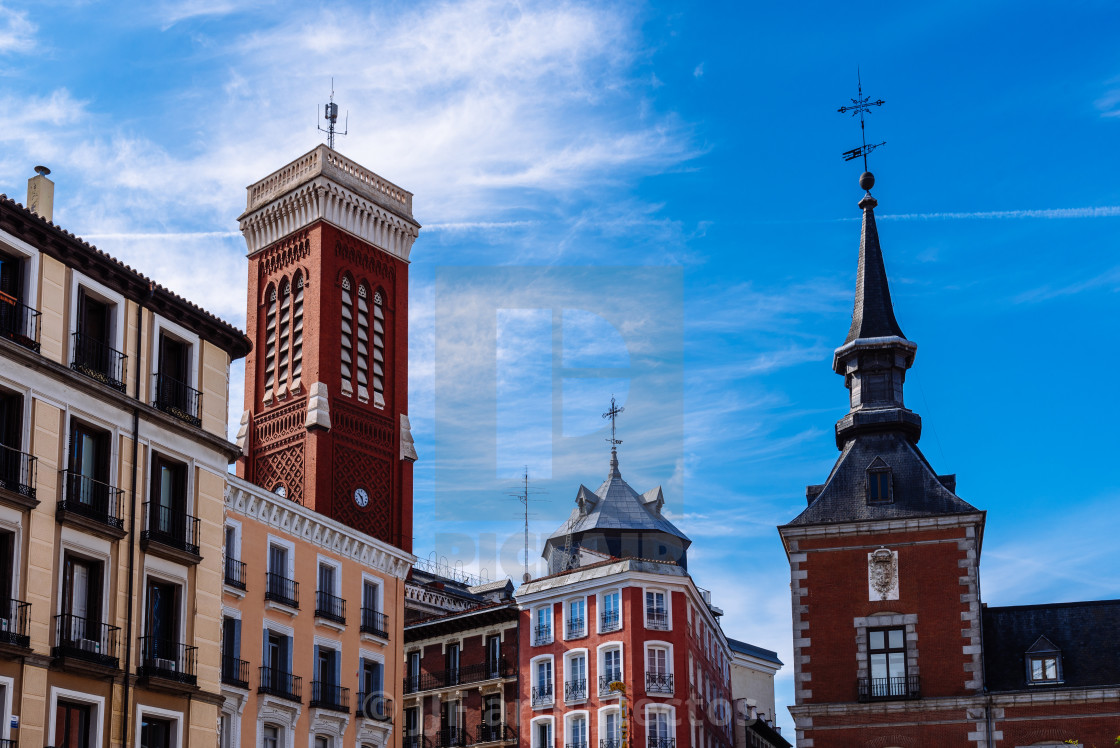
599,619
892,644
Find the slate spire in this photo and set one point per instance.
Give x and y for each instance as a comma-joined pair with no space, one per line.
873,313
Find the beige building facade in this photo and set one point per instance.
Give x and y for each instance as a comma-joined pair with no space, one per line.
113,461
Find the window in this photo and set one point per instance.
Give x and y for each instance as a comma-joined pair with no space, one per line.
17,469
270,343
362,358
576,619
283,341
575,684
886,652
491,716
87,488
542,733
610,728
659,728
1044,662
234,567
280,586
657,613
659,678
73,724
413,671
235,671
373,620
174,376
79,625
276,673
378,350
494,656
577,731
347,350
879,483
542,682
325,690
371,698
18,321
297,332
451,661
542,631
328,604
93,353
451,724
160,648
156,732
13,613
167,520
321,741
610,668
610,618
270,736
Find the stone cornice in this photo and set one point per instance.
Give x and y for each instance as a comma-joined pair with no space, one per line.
297,521
877,527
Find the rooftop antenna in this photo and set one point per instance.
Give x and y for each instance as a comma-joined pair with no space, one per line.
330,114
613,414
861,105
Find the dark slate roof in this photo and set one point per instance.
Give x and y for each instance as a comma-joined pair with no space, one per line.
1086,634
917,491
617,506
753,651
873,314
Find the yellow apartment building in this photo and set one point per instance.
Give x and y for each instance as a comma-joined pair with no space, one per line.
113,464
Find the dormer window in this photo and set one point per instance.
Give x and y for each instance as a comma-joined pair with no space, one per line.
1044,662
880,486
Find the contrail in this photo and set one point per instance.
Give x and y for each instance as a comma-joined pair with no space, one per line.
1106,211
167,235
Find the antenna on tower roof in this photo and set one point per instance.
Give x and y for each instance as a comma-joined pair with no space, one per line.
523,496
330,114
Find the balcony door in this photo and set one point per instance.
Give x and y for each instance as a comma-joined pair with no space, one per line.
174,373
156,733
72,725
168,500
452,662
163,620
494,656
11,440
89,467
81,599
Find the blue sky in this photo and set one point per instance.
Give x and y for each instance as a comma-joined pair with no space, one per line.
698,141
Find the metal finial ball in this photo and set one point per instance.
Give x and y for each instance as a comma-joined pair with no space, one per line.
866,181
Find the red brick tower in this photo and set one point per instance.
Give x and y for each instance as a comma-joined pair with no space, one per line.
326,386
884,561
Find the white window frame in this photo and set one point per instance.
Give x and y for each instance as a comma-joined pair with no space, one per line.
11,521
188,464
183,335
571,717
97,719
566,614
290,572
321,560
176,717
379,584
105,295
601,720
668,607
89,546
599,609
112,429
236,525
659,708
600,670
668,647
533,663
30,254
6,707
568,657
551,625
170,572
533,724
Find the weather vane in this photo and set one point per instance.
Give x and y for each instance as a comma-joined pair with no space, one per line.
330,114
861,105
613,415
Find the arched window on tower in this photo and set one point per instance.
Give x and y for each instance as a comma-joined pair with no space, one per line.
378,350
363,343
283,339
297,331
270,343
347,352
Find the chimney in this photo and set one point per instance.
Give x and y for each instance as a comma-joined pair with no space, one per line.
40,194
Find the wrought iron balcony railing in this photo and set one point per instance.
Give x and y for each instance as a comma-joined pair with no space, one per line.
574,690
178,399
170,527
19,322
654,742
542,695
375,623
611,743
889,689
452,737
276,682
657,618
457,676
330,607
235,671
17,471
606,679
577,744
98,361
83,639
374,705
501,732
659,683
169,660
415,741
609,621
92,499
235,573
542,635
330,696
577,627
282,590
9,744
13,624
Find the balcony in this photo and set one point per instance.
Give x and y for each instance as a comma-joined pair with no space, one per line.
575,690
90,504
281,590
889,689
657,618
457,677
235,672
576,745
542,695
17,477
542,635
329,607
278,683
659,683
609,621
98,361
330,696
170,532
177,399
606,680
451,737
87,641
374,623
167,660
653,742
374,706
235,573
499,733
13,627
577,627
19,322
415,741
603,743
9,744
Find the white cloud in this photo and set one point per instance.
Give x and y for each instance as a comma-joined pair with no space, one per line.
17,34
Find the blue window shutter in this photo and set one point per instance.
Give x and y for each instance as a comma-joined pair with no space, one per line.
237,638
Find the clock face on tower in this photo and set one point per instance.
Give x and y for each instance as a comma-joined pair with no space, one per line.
361,498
